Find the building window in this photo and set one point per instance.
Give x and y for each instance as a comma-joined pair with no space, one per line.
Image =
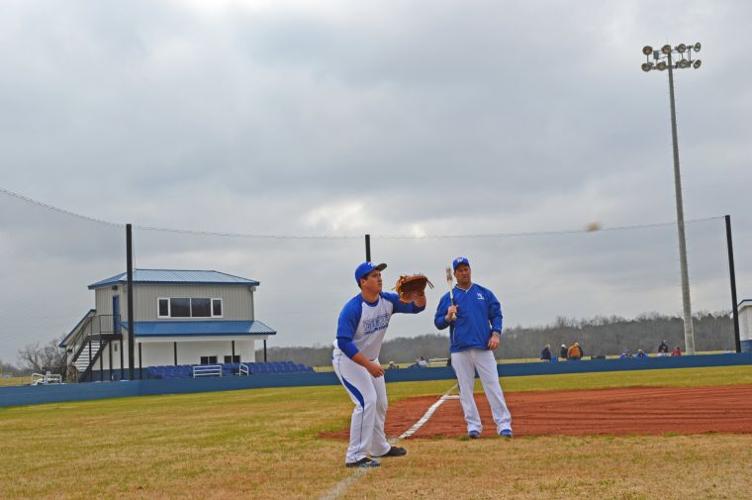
208,360
195,307
163,308
180,308
200,308
216,308
232,359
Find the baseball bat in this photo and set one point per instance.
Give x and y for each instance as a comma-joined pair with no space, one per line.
450,284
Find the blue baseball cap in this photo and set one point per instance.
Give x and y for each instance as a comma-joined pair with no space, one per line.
460,261
365,268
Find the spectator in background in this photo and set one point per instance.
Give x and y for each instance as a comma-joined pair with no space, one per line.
625,355
575,352
663,348
676,352
563,351
392,366
641,354
546,353
422,362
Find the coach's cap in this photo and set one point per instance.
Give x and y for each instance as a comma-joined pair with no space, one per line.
366,267
460,261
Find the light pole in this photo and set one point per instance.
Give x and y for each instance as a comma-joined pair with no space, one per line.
661,61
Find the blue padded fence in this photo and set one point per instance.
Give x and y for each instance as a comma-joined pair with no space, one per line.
27,395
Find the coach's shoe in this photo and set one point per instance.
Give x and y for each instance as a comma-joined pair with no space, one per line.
395,451
363,463
473,434
506,433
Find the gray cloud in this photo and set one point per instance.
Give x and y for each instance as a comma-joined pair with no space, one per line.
388,118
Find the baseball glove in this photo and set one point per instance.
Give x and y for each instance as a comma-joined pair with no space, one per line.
411,286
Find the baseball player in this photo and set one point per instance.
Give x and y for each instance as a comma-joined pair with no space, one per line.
474,321
360,332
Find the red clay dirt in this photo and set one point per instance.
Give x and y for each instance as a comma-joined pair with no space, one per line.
634,410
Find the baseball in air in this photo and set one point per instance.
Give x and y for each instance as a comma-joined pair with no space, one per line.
592,227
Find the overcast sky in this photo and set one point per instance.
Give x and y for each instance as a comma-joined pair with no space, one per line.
390,118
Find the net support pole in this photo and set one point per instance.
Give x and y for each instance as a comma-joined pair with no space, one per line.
732,282
131,322
368,248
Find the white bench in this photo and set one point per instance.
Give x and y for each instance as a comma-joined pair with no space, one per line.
207,371
47,378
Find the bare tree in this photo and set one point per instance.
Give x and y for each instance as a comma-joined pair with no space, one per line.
40,358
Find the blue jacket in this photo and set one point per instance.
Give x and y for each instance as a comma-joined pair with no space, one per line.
478,314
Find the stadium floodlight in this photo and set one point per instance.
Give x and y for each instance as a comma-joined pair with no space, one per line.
647,66
647,50
665,61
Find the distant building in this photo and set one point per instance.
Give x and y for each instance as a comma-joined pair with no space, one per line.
181,317
745,323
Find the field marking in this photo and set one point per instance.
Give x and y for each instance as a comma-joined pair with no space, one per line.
428,414
342,486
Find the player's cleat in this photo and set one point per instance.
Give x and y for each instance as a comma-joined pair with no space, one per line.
364,462
473,434
506,433
395,451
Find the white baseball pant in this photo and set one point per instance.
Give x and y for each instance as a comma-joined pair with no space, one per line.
368,393
465,363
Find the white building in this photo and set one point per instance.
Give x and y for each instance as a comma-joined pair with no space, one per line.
745,325
181,317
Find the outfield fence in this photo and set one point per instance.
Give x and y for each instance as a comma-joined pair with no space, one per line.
26,395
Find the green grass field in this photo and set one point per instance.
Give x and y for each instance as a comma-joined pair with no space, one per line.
264,443
10,381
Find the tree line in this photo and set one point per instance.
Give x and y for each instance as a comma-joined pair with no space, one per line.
598,336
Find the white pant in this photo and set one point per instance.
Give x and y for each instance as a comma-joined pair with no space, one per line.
368,393
465,364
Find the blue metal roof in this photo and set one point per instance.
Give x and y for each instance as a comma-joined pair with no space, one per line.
200,328
176,276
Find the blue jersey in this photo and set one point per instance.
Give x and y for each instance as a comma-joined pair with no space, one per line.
362,325
478,314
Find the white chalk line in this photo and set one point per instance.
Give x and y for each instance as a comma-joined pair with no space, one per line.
428,414
342,486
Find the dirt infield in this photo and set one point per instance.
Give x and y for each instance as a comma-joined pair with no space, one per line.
635,410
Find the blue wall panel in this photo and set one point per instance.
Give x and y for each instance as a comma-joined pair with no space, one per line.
27,395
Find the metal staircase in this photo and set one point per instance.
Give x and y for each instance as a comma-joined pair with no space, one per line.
87,355
94,334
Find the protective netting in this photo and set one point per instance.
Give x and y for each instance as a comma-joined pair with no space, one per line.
570,280
49,257
557,279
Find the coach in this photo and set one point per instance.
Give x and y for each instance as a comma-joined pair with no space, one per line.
474,321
